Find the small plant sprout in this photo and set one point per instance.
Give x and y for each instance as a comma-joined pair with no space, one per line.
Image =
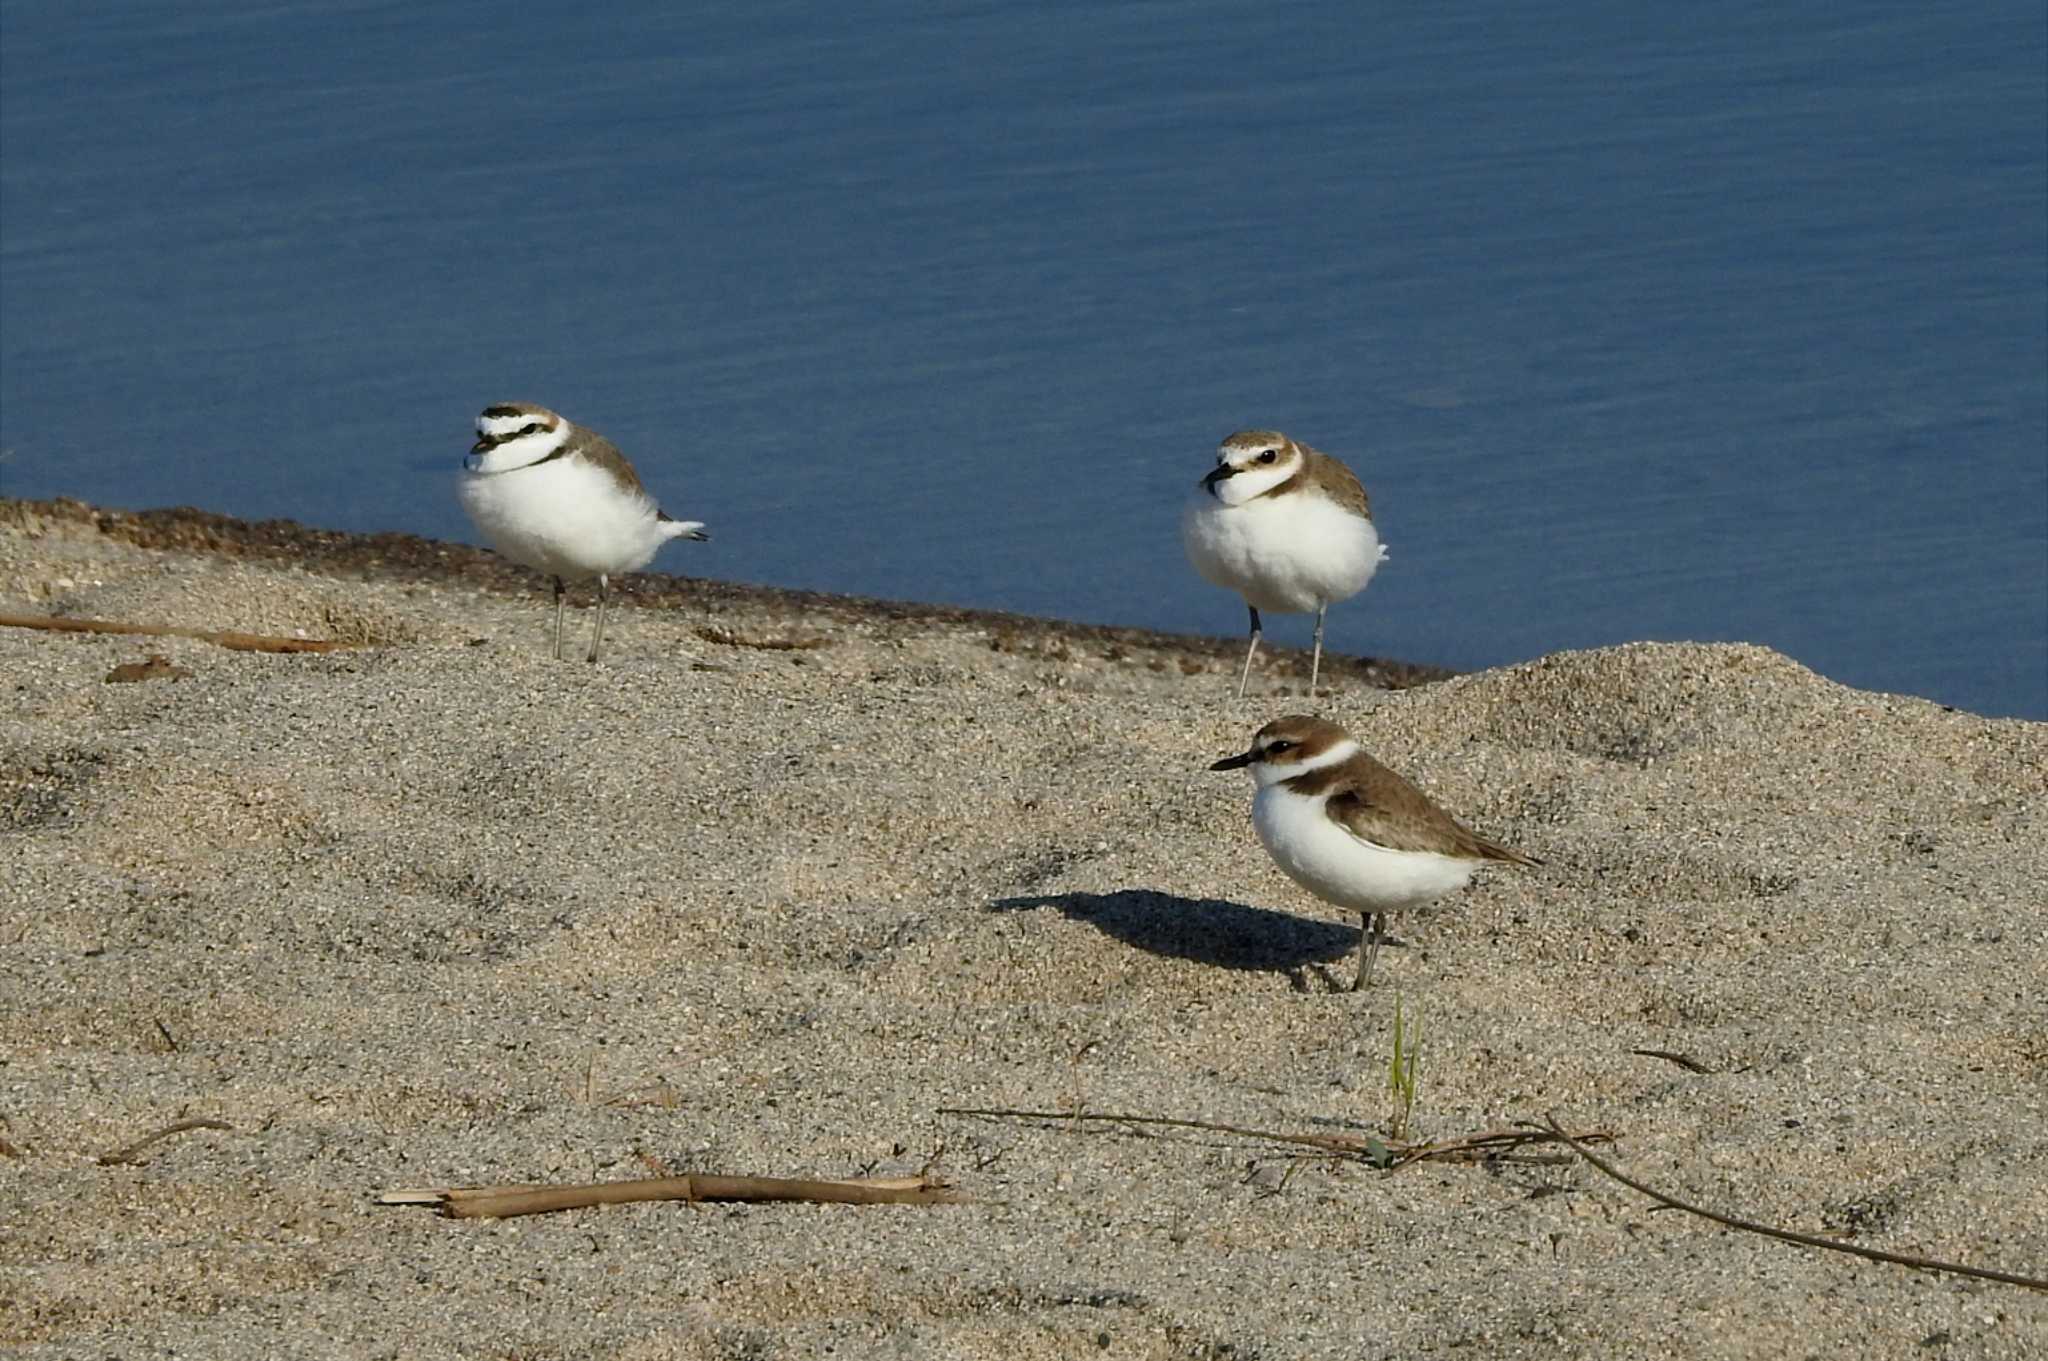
1403,1071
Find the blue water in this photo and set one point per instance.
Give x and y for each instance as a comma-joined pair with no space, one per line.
1722,322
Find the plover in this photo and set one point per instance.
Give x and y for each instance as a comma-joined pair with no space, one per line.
562,500
1351,831
1285,526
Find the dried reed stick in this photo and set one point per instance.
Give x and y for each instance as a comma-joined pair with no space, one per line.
240,642
502,1202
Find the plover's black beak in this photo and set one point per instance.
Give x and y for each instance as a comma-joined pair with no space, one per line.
483,446
1216,477
1237,762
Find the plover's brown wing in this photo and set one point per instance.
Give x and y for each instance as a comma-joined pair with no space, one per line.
1378,806
1330,477
602,454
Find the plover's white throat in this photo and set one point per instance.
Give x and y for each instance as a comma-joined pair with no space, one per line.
1284,526
1351,831
562,500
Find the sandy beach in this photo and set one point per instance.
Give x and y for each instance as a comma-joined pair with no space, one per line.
787,875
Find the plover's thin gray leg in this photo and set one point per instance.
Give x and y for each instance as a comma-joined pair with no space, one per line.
1375,924
559,589
1246,675
603,584
1316,667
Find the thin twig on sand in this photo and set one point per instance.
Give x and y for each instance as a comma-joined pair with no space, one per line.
502,1202
1386,1154
1685,1061
239,642
131,1153
1555,1130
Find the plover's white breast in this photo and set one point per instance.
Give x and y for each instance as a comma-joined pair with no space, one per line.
1292,553
1337,867
564,517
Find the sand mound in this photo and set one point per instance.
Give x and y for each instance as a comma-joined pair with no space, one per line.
444,911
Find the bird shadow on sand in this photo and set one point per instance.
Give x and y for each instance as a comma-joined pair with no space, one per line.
1205,930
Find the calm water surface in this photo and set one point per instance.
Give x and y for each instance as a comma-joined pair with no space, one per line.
1722,323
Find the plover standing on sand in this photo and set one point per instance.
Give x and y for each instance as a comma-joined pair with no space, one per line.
562,500
1351,831
1285,526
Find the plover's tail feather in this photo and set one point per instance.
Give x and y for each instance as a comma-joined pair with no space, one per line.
681,529
1493,850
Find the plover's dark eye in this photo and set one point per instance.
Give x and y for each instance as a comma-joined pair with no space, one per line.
529,428
1277,744
1269,456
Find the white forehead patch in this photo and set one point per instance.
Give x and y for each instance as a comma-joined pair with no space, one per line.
1312,754
1248,446
502,424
